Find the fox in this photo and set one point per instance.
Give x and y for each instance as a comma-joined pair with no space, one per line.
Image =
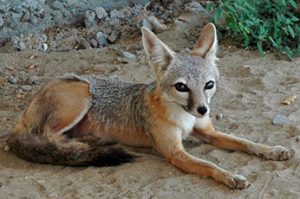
89,121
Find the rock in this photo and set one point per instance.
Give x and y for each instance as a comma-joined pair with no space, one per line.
57,5
112,37
14,20
94,43
18,44
33,81
89,18
116,14
41,38
280,120
131,57
26,88
194,7
33,19
219,116
146,24
101,39
12,80
82,43
1,20
26,16
100,13
44,47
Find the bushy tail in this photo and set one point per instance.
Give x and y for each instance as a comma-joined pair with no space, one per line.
67,151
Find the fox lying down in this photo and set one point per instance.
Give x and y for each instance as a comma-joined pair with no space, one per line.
80,121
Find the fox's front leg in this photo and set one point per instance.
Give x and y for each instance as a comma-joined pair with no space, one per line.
207,132
169,142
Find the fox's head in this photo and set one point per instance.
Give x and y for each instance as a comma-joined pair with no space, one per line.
188,81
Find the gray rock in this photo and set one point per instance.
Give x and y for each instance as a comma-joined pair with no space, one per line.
219,116
280,120
94,43
146,24
26,16
112,37
20,46
115,14
57,5
101,39
12,80
89,20
100,13
129,56
34,19
33,81
1,21
26,88
41,38
194,7
14,19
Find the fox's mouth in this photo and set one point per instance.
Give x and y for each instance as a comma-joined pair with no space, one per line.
193,113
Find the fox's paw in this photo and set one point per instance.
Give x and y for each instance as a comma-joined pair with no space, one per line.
278,153
235,181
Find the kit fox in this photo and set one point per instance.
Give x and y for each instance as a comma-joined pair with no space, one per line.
78,121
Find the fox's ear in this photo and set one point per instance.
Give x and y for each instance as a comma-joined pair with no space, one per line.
159,54
207,43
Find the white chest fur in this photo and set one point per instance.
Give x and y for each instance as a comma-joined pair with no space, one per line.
182,119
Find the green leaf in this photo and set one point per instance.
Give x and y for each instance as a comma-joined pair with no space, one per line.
283,2
209,7
293,3
294,19
292,32
273,42
218,14
260,49
289,53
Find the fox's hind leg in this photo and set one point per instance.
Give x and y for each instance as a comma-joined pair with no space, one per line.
225,141
56,108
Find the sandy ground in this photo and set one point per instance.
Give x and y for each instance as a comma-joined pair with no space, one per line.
249,95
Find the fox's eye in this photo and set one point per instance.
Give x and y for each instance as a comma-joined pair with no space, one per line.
209,85
181,87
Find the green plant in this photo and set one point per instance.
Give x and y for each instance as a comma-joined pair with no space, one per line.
264,24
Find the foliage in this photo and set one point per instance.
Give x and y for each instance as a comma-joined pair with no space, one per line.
264,24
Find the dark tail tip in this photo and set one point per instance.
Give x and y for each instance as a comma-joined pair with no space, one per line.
112,157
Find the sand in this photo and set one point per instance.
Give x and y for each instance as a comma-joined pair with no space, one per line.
249,96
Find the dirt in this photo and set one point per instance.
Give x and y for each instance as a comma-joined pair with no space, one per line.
249,96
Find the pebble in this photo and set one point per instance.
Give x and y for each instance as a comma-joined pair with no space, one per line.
129,56
1,21
219,116
94,43
101,39
146,24
89,18
194,7
12,80
20,45
112,37
280,119
57,5
33,81
26,88
6,148
100,13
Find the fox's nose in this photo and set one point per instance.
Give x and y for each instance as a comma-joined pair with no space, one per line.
202,110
